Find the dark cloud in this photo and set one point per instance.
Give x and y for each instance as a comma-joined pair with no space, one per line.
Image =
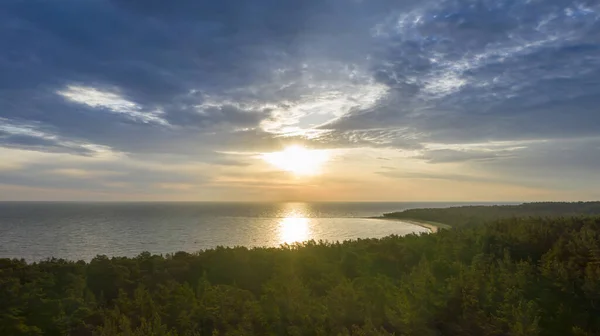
436,176
153,78
450,155
562,164
573,163
195,62
224,116
468,179
29,142
377,138
468,72
457,71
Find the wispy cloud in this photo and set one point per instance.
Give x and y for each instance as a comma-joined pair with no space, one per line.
110,101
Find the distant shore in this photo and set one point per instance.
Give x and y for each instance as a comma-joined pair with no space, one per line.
433,227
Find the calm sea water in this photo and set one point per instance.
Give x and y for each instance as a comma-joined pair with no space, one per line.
36,231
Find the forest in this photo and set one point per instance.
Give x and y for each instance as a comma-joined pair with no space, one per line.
525,270
474,215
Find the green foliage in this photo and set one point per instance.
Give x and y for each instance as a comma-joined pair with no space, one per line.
515,276
469,215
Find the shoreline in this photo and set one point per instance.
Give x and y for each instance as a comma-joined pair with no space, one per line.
433,227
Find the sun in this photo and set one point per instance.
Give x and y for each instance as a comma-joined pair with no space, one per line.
298,160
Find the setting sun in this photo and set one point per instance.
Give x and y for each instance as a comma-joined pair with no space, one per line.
298,160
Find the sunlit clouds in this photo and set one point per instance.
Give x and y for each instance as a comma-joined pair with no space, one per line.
110,101
322,100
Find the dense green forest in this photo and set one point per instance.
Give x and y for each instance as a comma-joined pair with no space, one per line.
514,276
467,215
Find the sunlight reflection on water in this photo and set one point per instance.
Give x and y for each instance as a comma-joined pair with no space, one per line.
293,229
82,231
295,226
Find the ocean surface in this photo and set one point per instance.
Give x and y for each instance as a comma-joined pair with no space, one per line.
80,231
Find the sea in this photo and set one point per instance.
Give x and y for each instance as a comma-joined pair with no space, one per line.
37,231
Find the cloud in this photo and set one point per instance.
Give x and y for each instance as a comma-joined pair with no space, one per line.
568,164
488,71
436,176
99,176
448,70
156,82
30,137
382,138
111,102
449,155
82,173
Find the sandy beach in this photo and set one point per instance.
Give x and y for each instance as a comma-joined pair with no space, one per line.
433,227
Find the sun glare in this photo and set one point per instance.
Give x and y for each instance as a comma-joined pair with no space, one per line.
293,229
298,160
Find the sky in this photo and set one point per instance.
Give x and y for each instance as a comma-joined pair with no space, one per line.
382,100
